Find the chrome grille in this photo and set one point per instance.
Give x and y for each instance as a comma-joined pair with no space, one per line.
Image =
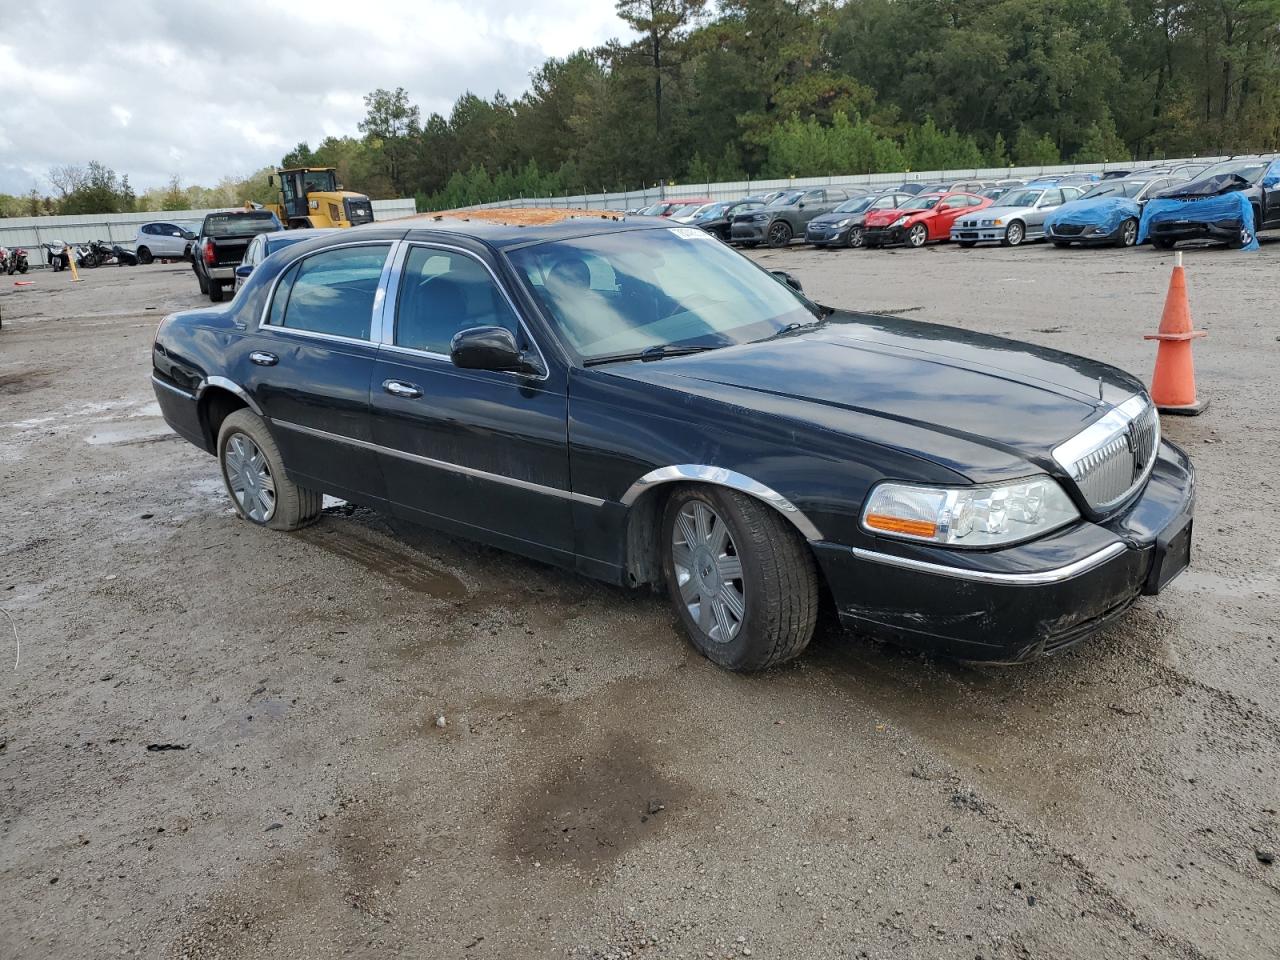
1112,457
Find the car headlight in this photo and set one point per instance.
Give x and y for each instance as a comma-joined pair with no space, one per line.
900,221
843,223
997,223
760,217
982,516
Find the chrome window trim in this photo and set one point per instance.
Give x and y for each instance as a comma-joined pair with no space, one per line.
1035,578
723,477
443,464
389,313
374,319
171,388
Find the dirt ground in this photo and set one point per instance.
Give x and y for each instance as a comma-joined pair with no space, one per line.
596,789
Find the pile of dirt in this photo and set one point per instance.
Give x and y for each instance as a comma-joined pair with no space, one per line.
526,216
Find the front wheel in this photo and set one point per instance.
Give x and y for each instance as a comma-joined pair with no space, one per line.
779,234
742,582
857,237
253,472
1014,234
1128,234
144,255
918,235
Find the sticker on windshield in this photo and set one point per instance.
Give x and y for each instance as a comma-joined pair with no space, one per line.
691,233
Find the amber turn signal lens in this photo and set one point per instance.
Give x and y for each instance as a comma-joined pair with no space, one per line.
914,528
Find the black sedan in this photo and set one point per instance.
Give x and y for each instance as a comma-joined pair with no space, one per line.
641,403
717,218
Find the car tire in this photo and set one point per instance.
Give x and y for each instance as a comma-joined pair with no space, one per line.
1243,240
1128,234
1014,234
215,291
1163,243
144,255
251,464
918,236
857,238
769,608
780,234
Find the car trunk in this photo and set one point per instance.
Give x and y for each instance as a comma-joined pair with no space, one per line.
229,251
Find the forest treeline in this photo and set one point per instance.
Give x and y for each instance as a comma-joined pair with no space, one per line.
774,88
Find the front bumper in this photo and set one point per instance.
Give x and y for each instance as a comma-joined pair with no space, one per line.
822,235
1176,230
1085,236
883,236
1024,601
749,232
977,234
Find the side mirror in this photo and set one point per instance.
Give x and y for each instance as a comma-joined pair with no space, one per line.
243,271
783,277
490,348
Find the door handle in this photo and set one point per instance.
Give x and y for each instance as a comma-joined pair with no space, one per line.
264,359
398,388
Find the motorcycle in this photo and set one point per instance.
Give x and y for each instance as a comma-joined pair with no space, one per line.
58,253
95,254
124,258
16,261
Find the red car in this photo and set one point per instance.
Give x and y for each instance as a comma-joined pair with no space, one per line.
921,219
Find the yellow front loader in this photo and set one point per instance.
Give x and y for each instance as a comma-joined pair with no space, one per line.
312,197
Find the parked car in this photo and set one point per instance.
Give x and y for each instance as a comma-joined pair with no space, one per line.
1257,179
843,226
1188,171
665,208
1079,178
1107,214
265,244
219,247
1015,217
925,218
786,217
163,241
641,404
717,218
687,213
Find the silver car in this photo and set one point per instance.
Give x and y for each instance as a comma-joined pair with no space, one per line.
163,241
1018,216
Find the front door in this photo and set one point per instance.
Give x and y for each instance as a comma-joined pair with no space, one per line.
482,452
309,366
295,195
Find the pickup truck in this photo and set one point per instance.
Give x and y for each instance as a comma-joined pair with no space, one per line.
219,247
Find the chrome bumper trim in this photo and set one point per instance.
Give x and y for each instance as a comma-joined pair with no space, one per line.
171,388
1039,577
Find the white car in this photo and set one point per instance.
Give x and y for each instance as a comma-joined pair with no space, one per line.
163,241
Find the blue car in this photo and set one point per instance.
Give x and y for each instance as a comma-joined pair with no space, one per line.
265,244
1107,214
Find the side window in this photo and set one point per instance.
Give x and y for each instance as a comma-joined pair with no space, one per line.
331,292
149,229
445,292
1271,178
813,196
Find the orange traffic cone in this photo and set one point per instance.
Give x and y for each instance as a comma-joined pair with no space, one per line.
1173,385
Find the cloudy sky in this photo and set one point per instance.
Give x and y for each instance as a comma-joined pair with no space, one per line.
203,90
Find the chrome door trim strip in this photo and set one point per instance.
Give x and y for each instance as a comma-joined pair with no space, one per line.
172,389
723,477
443,464
1036,578
375,320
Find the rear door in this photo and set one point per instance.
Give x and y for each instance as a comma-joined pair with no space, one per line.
310,362
484,452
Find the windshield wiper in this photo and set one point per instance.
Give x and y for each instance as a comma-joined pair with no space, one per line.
657,352
793,327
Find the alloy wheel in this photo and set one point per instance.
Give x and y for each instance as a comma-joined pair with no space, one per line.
249,477
1014,234
1130,234
708,571
917,235
856,237
779,234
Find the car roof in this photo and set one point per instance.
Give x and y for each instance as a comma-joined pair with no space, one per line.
509,235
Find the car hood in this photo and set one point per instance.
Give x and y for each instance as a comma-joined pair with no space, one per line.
997,213
882,218
883,378
837,217
1208,187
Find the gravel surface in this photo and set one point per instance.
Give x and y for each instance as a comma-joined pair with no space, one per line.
367,739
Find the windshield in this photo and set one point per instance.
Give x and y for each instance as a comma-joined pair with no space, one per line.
240,224
1249,170
687,210
1021,198
787,199
1115,188
856,205
620,293
921,203
712,210
653,211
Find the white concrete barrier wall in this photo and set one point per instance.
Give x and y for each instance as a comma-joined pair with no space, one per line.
122,228
732,190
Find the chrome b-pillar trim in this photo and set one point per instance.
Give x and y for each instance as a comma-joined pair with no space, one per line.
1034,578
723,477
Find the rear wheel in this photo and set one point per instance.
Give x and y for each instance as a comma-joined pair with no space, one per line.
918,235
215,291
779,233
742,582
144,255
253,472
1014,234
1128,234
